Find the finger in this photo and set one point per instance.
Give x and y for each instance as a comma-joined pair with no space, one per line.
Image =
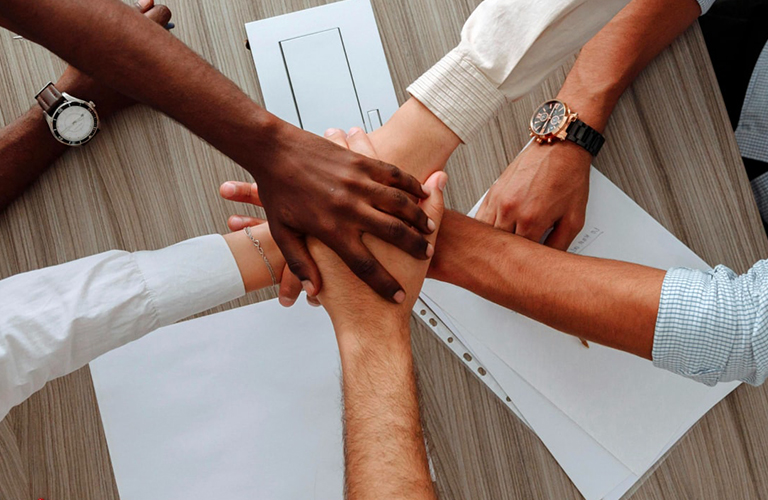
394,202
361,261
240,222
392,176
290,288
563,235
313,301
337,136
397,233
298,258
243,192
434,206
159,14
359,142
485,213
530,232
144,5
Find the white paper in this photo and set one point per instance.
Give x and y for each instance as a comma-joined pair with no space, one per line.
593,470
369,102
238,405
629,407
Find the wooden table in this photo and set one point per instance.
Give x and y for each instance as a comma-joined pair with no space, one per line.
147,183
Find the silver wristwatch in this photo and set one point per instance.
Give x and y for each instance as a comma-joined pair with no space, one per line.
72,121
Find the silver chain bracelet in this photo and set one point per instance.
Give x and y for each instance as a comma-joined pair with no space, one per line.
257,244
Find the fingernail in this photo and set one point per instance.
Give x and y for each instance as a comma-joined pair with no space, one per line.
308,287
313,303
354,130
236,221
431,225
228,189
430,250
170,26
427,189
144,3
330,132
399,297
442,182
286,302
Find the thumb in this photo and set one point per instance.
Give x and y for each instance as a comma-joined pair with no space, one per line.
434,204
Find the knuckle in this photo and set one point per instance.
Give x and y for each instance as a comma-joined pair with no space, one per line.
396,230
395,173
364,267
400,200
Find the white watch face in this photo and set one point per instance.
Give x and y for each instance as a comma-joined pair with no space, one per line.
74,123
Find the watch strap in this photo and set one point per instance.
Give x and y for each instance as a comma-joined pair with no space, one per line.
49,98
585,136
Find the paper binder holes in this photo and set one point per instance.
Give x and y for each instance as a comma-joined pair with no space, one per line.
423,312
450,339
467,356
509,400
481,370
432,322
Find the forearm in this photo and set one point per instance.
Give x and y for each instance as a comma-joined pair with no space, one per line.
609,302
385,453
183,86
27,146
252,266
611,61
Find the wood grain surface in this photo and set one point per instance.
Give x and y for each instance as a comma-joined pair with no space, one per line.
148,183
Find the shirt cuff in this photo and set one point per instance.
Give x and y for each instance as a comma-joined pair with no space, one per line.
458,93
692,337
705,5
190,277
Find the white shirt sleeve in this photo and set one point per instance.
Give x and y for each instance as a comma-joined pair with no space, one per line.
56,320
507,48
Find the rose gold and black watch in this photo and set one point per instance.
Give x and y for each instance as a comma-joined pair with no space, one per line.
72,121
554,121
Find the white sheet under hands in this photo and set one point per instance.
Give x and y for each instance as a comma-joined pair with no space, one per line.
238,405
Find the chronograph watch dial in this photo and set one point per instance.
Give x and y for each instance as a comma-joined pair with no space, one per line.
72,121
554,121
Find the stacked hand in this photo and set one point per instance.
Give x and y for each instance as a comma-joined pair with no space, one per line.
317,188
407,270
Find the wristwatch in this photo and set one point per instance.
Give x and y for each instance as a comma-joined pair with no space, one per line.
72,121
554,121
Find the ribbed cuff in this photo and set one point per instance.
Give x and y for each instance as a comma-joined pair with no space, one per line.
190,277
459,94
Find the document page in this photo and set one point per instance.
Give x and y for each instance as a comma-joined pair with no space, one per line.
240,405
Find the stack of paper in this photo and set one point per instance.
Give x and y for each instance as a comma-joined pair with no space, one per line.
606,416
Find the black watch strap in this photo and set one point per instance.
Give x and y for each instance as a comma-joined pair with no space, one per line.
585,136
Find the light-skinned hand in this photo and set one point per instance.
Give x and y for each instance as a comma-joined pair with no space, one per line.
546,186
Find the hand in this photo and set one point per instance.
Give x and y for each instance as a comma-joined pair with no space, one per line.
546,185
317,188
347,300
247,192
84,87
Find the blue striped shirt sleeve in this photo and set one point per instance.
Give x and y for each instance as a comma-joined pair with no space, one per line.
713,326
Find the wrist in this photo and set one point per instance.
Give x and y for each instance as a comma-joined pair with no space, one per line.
107,101
372,333
593,103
